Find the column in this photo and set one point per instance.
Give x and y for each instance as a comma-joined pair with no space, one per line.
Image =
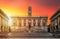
18,22
53,25
3,24
26,24
0,24
36,22
59,24
41,24
32,22
45,24
56,23
22,22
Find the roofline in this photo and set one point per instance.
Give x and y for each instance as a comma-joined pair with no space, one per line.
55,13
28,16
3,13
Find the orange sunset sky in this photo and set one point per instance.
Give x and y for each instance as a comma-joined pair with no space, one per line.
39,7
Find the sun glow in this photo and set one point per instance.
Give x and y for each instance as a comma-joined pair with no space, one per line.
10,22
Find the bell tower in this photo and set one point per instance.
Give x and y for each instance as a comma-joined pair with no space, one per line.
29,11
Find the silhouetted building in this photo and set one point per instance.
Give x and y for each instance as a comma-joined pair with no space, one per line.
55,21
3,22
30,23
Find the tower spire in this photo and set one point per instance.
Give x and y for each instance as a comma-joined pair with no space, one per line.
29,11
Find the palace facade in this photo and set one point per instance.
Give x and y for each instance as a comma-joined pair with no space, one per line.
55,22
29,23
3,22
